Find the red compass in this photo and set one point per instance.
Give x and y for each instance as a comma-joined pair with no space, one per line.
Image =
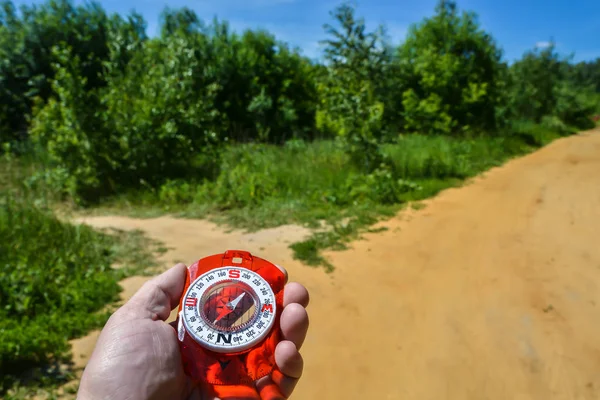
228,325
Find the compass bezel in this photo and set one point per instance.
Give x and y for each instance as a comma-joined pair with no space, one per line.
228,341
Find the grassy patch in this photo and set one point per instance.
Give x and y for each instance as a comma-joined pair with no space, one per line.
308,252
308,183
263,186
55,282
417,206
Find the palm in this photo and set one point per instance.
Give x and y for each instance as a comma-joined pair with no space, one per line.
145,353
137,355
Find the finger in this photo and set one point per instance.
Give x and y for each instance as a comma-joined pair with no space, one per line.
288,359
285,383
294,324
283,379
284,271
268,389
295,293
160,295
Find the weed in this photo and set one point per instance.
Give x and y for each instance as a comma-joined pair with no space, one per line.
417,206
55,281
308,252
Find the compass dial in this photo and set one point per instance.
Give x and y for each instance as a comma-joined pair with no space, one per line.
228,310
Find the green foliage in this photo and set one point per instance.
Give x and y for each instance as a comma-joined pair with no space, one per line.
353,50
351,105
262,186
419,157
380,186
146,126
114,110
541,86
160,116
54,277
134,131
538,134
452,72
27,37
267,91
205,121
69,129
353,114
253,174
587,74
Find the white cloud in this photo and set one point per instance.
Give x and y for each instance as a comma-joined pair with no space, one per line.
543,45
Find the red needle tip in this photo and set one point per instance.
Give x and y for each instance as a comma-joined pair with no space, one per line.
226,310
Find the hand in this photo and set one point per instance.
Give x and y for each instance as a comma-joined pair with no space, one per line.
137,354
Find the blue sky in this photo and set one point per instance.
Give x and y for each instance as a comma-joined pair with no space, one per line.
517,25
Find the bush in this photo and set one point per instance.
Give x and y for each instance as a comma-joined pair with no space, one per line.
575,106
380,186
541,87
266,91
26,41
419,157
553,123
264,181
536,134
167,102
143,128
253,173
54,277
69,128
351,89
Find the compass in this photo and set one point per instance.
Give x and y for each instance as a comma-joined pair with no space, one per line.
228,310
228,324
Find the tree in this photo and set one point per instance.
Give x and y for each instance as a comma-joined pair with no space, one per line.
27,41
452,72
542,87
351,105
182,20
587,73
352,49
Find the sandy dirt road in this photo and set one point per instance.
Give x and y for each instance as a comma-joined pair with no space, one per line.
492,291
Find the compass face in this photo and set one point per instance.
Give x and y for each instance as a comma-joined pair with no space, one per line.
229,309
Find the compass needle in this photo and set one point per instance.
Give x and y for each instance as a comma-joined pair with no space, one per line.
235,302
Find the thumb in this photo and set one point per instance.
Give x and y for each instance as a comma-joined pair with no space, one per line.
159,296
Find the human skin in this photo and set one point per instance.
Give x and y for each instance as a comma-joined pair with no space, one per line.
137,355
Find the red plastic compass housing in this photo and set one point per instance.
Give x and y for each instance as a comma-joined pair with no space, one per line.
216,366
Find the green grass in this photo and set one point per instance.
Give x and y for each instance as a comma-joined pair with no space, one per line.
263,186
56,280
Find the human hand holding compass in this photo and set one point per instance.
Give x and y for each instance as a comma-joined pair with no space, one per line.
137,354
